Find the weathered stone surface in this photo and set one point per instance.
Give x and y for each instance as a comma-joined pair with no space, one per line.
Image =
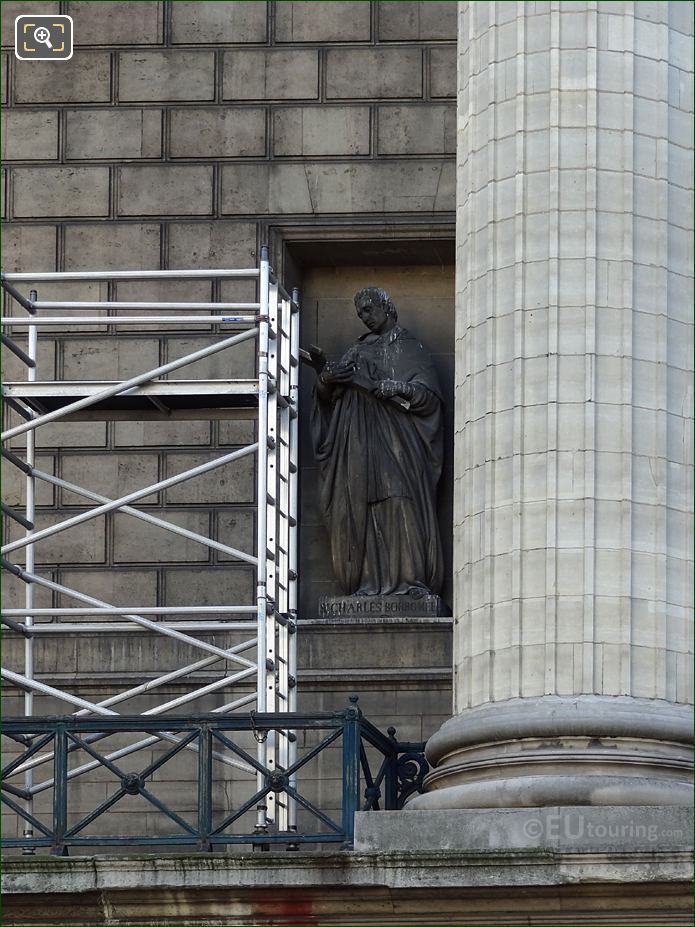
29,136
220,585
155,434
83,543
112,477
321,130
216,244
649,741
231,483
236,432
151,544
443,71
113,134
112,246
14,369
85,78
382,606
28,248
236,361
120,23
122,586
273,74
165,190
423,129
356,642
100,359
61,191
223,132
11,9
478,882
14,596
67,290
235,527
413,186
373,72
218,23
417,21
327,22
70,434
166,75
14,482
568,828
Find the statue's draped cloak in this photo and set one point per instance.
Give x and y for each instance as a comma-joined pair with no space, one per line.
380,462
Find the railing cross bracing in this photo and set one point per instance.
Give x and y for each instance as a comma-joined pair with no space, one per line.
390,770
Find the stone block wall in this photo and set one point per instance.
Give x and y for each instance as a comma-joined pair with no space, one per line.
165,111
183,135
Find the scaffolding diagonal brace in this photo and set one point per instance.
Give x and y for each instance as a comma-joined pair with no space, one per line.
269,669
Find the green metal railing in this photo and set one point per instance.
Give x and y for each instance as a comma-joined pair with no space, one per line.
398,771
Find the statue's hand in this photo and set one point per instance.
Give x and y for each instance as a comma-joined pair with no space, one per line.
387,389
335,372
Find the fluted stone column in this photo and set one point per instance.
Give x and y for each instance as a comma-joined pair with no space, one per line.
573,500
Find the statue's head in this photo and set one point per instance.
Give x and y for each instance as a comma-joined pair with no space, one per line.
372,301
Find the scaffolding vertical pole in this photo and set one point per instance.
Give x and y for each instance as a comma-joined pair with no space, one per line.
293,566
270,552
283,538
30,490
261,530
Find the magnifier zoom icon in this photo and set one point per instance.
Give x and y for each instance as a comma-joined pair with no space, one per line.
43,35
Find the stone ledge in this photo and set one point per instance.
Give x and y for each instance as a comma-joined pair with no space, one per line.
393,869
629,904
618,830
495,887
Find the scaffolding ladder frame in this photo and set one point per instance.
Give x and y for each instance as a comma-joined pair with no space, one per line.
274,321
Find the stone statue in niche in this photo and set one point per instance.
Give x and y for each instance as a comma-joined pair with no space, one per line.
377,434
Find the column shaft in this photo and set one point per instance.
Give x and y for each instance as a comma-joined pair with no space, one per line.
573,512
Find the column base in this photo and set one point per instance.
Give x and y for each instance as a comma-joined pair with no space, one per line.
554,750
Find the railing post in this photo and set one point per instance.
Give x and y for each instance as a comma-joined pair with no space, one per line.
204,788
60,790
391,783
351,770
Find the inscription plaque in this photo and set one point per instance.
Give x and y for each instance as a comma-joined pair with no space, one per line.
381,606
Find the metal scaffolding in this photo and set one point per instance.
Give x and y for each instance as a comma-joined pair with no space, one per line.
268,653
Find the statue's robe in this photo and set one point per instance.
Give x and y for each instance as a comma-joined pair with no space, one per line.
379,463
